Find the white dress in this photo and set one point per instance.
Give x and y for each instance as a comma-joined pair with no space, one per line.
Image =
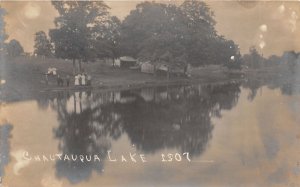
83,82
76,81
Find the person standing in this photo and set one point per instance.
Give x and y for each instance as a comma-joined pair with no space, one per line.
83,80
89,80
58,80
68,80
61,81
80,79
46,79
76,83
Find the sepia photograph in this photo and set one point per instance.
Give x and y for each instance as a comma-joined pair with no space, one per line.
142,93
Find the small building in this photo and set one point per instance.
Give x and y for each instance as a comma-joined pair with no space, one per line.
127,62
147,67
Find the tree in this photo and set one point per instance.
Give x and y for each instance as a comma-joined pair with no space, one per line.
78,25
165,42
176,35
229,54
154,32
3,35
202,39
198,18
14,48
253,59
273,60
107,44
42,46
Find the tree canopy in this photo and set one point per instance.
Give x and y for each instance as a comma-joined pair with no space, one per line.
107,42
78,25
3,35
176,34
253,59
42,46
14,48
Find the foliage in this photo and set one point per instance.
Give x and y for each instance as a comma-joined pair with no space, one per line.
14,48
253,59
42,46
176,35
164,33
3,35
78,25
229,54
273,60
107,44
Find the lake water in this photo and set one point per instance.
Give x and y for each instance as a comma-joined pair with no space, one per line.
222,135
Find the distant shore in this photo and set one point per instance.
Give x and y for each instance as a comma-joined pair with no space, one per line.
25,78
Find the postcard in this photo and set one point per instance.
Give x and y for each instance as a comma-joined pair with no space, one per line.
132,93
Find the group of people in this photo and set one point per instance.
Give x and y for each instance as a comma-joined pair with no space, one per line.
61,80
82,79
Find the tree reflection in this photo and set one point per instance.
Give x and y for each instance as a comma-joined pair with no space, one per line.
85,130
182,120
286,82
253,85
153,118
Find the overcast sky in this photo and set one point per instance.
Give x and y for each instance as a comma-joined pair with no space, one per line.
273,27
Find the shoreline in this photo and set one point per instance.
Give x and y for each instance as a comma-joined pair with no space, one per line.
119,87
16,96
24,78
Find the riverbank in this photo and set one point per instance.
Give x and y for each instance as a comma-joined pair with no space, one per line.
25,77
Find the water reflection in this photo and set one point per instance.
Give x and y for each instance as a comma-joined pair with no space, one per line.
153,119
194,119
285,80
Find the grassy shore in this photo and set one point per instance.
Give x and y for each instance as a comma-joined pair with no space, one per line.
25,77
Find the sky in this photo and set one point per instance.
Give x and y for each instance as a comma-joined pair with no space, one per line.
272,26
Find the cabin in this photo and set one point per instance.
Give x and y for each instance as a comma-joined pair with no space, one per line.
147,67
127,62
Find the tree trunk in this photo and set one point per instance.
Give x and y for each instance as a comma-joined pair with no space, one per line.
79,63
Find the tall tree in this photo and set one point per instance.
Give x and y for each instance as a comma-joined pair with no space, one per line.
154,32
42,46
3,35
78,25
14,48
177,35
198,16
201,38
107,43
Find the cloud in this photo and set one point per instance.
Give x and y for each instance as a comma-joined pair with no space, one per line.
281,8
263,28
293,21
32,10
